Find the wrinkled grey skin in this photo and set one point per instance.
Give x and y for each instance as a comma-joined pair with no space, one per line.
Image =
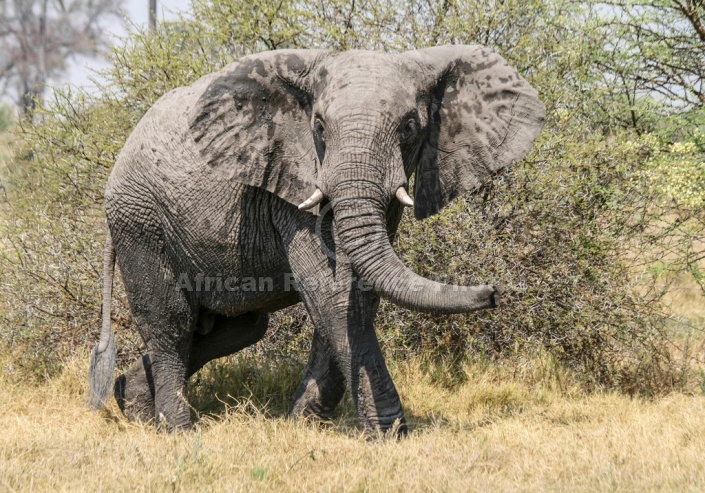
209,183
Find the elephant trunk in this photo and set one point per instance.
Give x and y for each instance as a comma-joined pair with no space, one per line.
360,223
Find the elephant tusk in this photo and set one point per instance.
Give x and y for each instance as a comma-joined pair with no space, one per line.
404,197
312,201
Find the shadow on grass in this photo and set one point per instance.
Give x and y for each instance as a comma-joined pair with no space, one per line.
265,387
268,384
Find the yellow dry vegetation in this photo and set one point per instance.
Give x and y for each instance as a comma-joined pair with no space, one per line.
495,432
686,299
6,141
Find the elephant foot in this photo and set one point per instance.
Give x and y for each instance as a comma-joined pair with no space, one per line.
377,401
134,391
311,404
377,427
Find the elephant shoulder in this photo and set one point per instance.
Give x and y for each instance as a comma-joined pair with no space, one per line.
161,138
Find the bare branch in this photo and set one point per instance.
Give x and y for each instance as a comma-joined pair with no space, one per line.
38,36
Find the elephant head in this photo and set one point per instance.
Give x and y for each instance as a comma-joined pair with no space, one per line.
352,128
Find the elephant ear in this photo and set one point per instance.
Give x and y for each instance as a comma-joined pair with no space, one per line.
483,117
252,122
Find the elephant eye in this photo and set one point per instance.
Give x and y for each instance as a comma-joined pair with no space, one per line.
319,139
319,130
409,129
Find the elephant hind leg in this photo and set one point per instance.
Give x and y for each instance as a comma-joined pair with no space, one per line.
134,390
165,316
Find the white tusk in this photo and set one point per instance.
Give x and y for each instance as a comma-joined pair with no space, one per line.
404,197
312,201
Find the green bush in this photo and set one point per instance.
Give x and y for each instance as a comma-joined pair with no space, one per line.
565,232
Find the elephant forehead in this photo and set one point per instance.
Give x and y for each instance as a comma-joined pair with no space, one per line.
370,79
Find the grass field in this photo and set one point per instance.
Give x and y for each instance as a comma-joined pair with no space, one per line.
495,432
528,428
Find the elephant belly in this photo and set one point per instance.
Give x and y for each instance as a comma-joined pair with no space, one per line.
233,295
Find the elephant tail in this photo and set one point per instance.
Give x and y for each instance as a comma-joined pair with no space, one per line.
102,364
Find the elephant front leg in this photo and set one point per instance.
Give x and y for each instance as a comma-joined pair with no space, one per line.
373,391
346,349
323,384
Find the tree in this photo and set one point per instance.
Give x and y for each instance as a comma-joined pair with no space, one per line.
152,14
38,37
652,63
553,230
654,50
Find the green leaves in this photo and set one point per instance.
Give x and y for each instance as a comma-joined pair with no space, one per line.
614,185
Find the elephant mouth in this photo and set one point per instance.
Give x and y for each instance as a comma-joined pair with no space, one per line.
317,197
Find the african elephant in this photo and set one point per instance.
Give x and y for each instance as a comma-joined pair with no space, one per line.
289,170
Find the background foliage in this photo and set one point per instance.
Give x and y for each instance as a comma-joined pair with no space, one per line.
611,200
38,38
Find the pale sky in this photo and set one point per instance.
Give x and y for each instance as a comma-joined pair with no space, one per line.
136,12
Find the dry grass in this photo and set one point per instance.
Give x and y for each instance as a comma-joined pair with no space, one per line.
531,432
499,431
685,299
7,141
